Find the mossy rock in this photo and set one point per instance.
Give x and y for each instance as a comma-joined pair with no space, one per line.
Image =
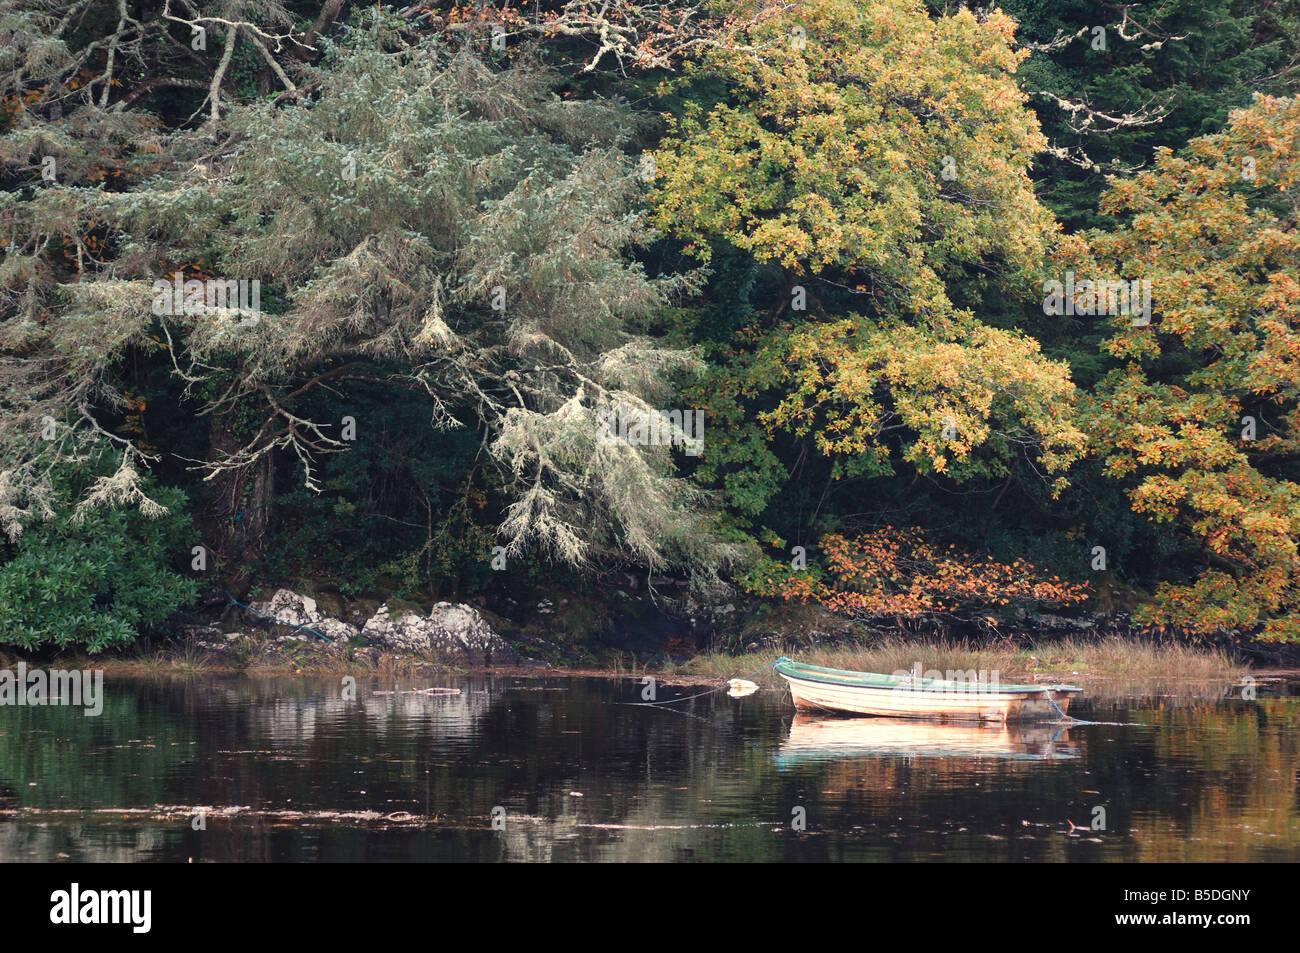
398,607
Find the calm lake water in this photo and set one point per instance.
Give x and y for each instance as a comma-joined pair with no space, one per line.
286,769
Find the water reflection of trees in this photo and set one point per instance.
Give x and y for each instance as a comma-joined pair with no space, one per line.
584,778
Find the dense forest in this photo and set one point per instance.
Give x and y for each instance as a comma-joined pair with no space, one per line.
907,310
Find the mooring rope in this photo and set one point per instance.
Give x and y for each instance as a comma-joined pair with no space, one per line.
1070,719
673,701
277,621
1047,693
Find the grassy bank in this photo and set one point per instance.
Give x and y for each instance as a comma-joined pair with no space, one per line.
1064,660
1059,660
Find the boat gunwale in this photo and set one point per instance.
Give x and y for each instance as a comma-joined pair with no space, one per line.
936,686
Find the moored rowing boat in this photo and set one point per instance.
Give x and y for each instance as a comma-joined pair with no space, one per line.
904,695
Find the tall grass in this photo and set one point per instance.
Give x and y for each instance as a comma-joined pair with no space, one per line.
1111,657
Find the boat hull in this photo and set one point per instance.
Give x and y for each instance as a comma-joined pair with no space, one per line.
901,700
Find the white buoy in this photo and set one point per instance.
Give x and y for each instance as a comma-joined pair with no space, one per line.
739,688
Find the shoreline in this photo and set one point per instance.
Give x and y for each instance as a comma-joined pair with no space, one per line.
1109,660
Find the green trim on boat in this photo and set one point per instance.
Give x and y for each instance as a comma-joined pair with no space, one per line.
786,666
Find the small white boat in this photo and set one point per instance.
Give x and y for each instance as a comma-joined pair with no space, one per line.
814,688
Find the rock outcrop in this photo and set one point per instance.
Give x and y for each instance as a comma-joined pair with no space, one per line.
452,631
290,608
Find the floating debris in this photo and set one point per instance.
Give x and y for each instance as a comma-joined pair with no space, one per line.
241,812
422,691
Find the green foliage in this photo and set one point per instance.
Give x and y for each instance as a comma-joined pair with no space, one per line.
1214,228
835,154
1176,68
391,506
96,577
837,255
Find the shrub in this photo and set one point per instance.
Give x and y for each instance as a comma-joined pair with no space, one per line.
95,579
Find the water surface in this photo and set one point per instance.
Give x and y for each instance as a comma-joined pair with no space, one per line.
286,769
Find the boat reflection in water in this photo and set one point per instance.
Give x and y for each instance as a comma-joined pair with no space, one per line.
828,737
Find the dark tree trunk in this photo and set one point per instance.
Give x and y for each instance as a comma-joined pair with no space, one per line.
237,512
